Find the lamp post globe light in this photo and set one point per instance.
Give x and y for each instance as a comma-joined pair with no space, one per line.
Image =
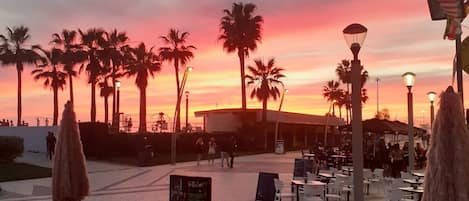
355,35
409,80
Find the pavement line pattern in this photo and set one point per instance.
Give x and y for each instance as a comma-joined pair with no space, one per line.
162,177
123,180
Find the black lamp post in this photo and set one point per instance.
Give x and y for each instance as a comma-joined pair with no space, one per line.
409,79
355,35
187,111
117,114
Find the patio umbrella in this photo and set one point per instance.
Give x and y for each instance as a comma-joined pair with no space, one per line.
447,173
69,176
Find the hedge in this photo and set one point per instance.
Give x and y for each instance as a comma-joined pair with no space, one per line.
10,148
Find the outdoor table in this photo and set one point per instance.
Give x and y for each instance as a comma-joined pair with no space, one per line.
418,191
301,182
413,182
327,175
338,160
349,170
308,155
418,174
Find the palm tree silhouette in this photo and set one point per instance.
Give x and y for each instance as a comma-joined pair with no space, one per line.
178,53
344,72
142,63
114,45
15,53
105,91
89,41
264,78
332,93
241,31
52,75
72,54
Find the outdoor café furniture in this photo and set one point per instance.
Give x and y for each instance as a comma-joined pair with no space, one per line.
413,182
301,182
414,190
313,193
418,174
308,155
278,191
348,170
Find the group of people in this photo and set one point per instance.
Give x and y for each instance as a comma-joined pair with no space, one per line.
227,150
6,123
394,159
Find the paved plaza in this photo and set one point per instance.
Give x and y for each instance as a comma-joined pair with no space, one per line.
129,183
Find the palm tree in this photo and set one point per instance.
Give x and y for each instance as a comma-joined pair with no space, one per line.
142,63
178,53
89,40
331,93
341,101
15,53
105,92
265,78
72,54
52,75
114,45
241,31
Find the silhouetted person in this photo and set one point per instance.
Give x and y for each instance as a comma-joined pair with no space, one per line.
50,140
199,149
224,153
233,145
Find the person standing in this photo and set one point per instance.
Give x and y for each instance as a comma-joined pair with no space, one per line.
50,141
212,145
199,149
224,153
233,145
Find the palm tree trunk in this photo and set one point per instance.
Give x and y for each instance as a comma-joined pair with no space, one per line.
19,66
113,95
178,102
93,100
70,78
143,110
340,112
243,83
264,110
106,109
333,109
56,105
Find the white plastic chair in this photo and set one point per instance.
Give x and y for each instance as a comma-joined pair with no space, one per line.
313,193
406,175
334,191
278,191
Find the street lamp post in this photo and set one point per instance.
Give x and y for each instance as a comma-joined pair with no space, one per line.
187,111
279,109
377,95
431,97
117,114
355,35
176,128
409,79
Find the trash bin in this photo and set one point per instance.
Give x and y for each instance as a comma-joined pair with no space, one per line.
280,147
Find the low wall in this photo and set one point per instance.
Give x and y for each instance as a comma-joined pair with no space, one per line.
34,137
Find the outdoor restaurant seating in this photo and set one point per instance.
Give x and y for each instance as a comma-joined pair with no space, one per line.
278,191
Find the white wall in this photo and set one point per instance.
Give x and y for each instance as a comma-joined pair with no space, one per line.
34,137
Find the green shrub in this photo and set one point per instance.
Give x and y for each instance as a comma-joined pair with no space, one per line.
10,148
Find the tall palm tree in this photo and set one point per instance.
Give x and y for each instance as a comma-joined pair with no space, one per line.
114,45
178,53
264,78
15,53
341,101
331,93
52,75
72,54
241,31
89,40
142,63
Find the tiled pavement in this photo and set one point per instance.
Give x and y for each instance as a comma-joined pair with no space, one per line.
124,183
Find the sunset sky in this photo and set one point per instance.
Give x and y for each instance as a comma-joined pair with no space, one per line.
304,36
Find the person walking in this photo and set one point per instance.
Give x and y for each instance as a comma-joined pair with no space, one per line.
50,141
199,149
233,145
223,147
212,145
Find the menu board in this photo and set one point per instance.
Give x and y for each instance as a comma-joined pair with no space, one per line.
266,186
301,167
185,188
